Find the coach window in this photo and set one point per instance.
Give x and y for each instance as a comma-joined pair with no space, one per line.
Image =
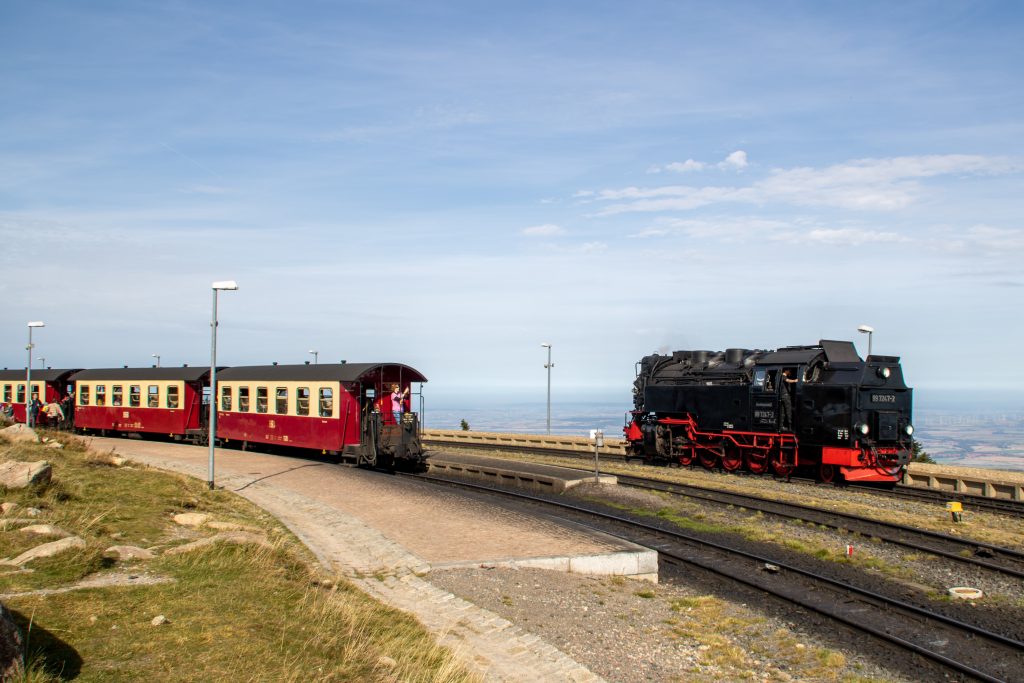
261,399
135,395
225,398
21,393
243,399
116,393
153,396
101,394
83,395
172,396
326,402
302,400
281,402
8,390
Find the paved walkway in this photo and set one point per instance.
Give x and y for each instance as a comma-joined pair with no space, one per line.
340,514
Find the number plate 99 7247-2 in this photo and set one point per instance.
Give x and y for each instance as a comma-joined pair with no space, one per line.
883,398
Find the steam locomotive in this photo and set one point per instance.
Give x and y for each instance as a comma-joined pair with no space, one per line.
819,409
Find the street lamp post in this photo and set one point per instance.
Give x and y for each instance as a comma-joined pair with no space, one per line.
225,285
42,362
157,355
548,366
28,373
316,356
868,330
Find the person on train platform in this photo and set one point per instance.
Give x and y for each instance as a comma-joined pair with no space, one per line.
7,410
35,408
54,413
398,402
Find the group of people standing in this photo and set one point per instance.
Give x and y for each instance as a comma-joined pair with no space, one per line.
55,414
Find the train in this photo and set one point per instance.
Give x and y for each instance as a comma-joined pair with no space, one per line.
343,410
816,410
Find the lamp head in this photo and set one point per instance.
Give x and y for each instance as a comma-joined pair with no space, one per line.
230,285
866,329
37,323
546,346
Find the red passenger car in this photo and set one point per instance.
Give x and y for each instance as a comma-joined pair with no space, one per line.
342,409
47,384
142,400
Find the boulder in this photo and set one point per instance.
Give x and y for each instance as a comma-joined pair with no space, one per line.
11,647
7,507
234,537
55,444
128,552
20,432
160,620
19,475
46,550
192,519
45,530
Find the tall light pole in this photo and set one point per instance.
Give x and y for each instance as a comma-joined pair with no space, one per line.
868,330
42,362
157,355
28,373
316,356
224,285
548,366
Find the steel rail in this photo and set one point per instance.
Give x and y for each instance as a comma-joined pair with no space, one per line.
762,505
845,587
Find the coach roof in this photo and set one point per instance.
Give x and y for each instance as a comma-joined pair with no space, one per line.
148,374
38,375
334,372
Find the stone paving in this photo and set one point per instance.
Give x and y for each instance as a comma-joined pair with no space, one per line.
311,507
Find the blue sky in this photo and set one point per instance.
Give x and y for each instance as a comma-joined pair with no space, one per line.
450,184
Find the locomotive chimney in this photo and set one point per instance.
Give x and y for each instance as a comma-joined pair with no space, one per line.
734,356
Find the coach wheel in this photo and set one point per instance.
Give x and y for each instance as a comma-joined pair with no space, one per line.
732,459
827,473
757,462
708,458
686,456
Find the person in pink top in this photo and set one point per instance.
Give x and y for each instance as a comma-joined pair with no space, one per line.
398,402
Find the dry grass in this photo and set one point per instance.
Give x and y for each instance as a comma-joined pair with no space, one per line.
241,613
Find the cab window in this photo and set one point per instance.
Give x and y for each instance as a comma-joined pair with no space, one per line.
153,396
135,395
243,399
261,399
302,400
326,402
172,396
101,394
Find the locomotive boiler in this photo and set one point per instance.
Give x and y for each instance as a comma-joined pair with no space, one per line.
819,409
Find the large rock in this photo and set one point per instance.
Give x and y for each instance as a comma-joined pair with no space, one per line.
19,475
192,519
46,550
128,552
44,530
11,647
20,432
233,537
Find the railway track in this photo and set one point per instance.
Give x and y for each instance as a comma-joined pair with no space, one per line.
976,503
955,645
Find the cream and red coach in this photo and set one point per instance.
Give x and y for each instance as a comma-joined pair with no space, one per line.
142,400
342,409
48,384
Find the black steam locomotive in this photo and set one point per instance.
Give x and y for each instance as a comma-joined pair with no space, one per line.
820,409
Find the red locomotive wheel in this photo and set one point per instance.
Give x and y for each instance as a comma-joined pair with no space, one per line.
708,458
732,459
757,462
782,469
686,457
827,473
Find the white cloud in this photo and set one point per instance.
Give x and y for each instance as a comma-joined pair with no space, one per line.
546,230
686,166
861,184
736,160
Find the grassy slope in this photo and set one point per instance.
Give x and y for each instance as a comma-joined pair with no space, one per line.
242,613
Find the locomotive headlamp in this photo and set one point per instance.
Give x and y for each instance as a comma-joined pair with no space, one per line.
884,373
909,429
863,428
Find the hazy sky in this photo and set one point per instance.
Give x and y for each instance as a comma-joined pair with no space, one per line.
450,184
